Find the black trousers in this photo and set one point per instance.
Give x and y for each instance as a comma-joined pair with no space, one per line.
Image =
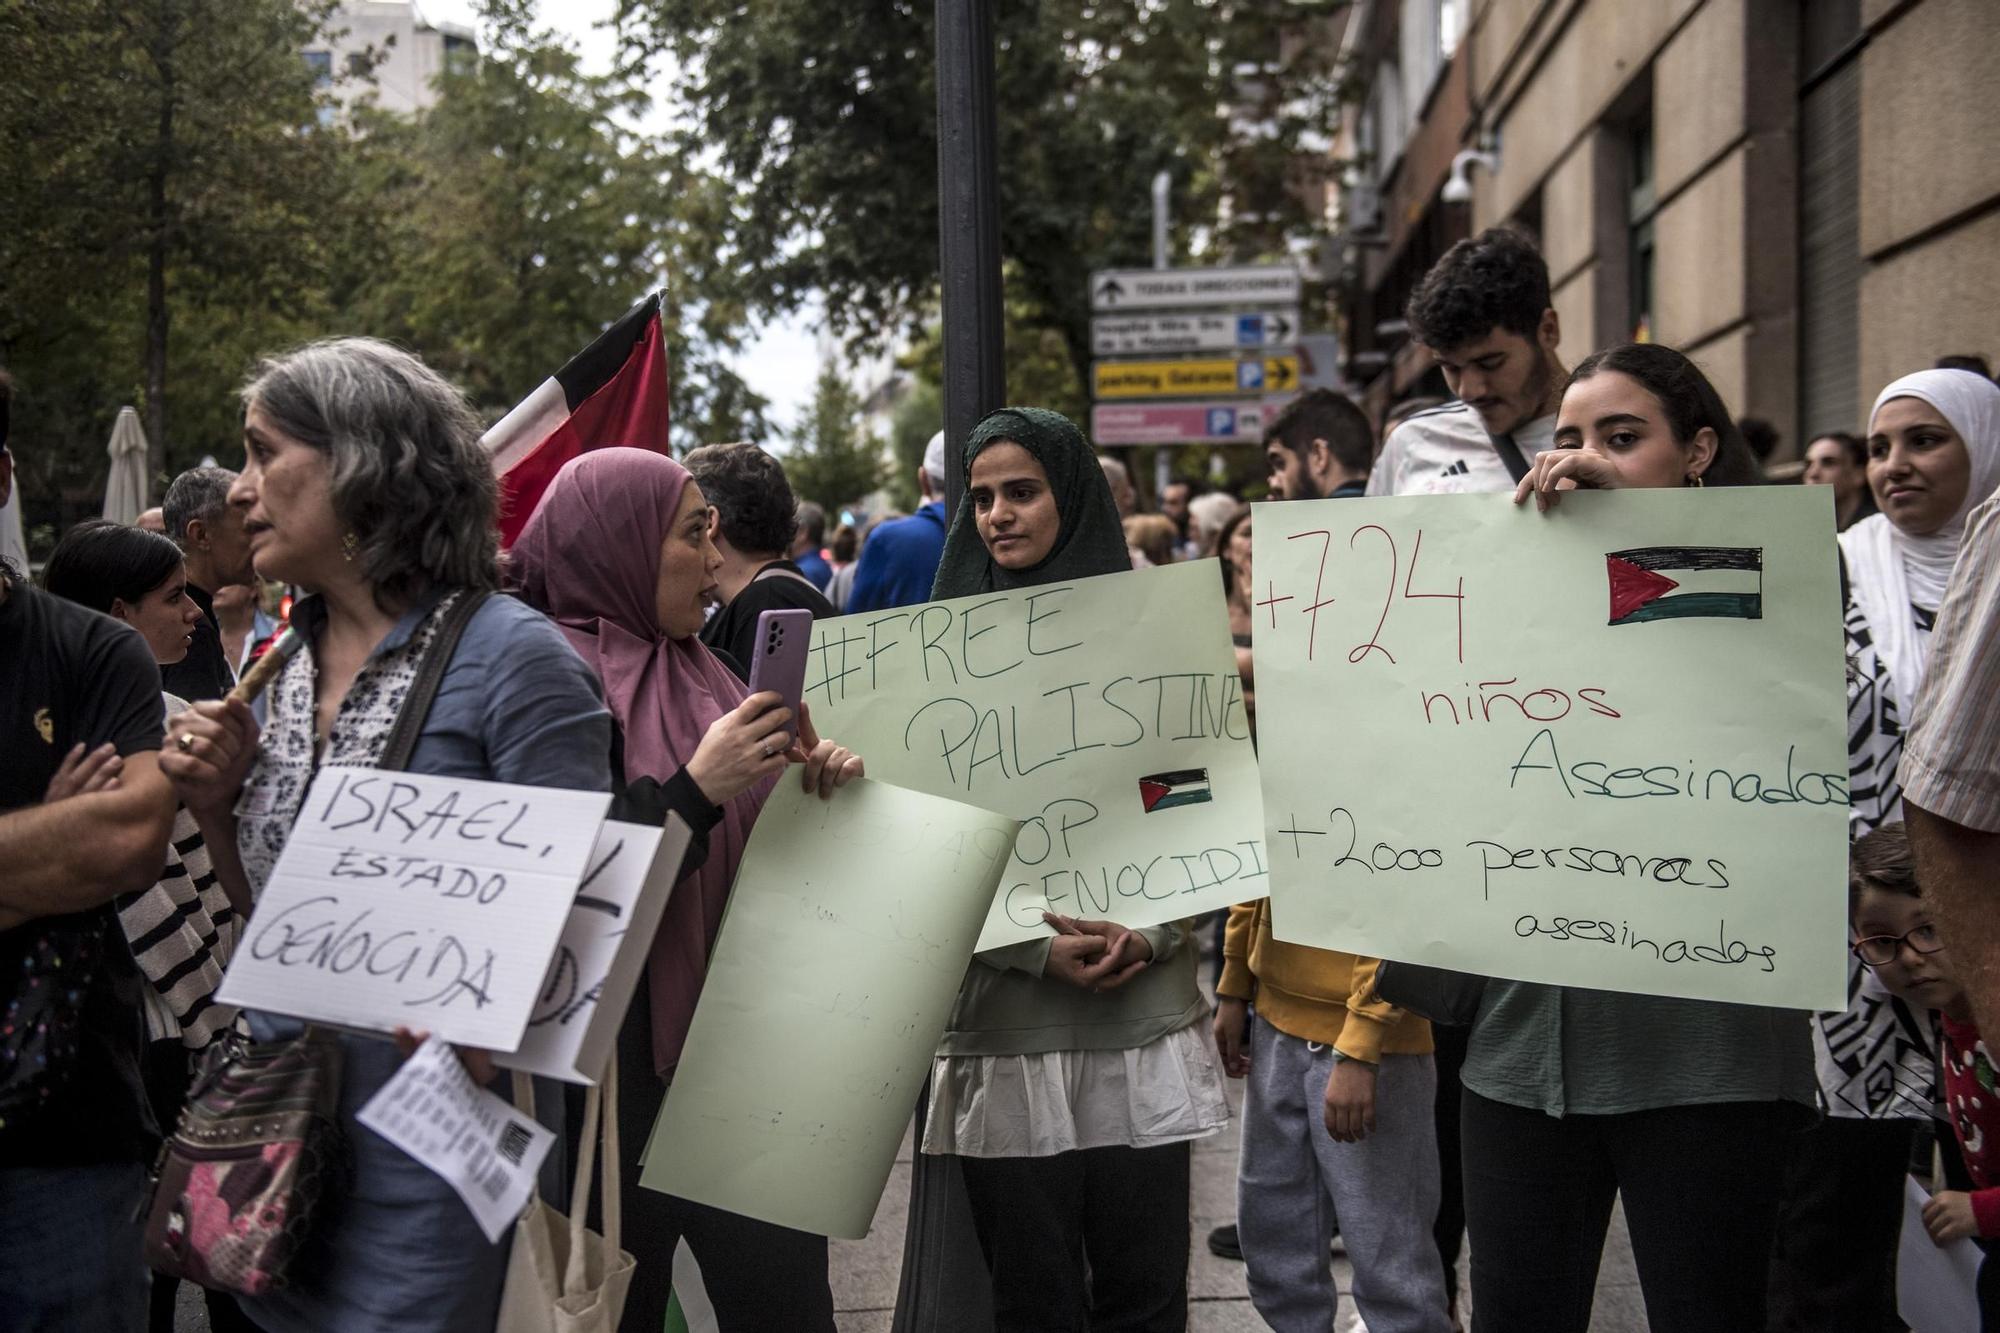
1834,1267
759,1277
1449,1230
1700,1186
1085,1242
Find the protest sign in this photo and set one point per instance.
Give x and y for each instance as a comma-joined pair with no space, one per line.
403,899
1105,713
847,935
603,949
1602,746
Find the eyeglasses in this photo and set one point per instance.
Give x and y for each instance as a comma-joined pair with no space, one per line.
1879,950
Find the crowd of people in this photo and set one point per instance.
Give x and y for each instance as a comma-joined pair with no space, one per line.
1760,1155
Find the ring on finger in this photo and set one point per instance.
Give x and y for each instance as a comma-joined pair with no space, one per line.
185,743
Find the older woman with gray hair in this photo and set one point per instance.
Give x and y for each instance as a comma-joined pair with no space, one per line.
364,484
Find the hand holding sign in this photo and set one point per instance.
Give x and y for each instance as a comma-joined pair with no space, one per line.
1557,470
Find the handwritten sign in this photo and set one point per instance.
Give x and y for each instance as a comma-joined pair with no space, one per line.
602,952
1599,747
485,1149
848,932
1106,714
407,899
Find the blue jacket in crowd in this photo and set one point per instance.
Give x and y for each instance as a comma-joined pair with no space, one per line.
899,561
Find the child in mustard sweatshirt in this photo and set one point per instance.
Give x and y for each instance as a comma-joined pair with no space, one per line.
1337,1122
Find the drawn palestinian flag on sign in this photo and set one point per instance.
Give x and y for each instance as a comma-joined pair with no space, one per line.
1183,786
1725,581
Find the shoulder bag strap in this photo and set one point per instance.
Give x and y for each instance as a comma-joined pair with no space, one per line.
600,1125
779,572
1510,455
417,704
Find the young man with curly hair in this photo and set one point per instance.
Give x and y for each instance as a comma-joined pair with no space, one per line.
1483,311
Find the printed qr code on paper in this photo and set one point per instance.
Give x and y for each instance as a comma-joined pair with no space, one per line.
514,1140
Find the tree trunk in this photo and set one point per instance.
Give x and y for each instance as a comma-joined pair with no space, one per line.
156,253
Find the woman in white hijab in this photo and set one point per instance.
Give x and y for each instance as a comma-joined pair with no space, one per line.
1933,455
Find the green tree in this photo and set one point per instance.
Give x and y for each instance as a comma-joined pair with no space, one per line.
520,214
182,196
824,116
831,461
168,185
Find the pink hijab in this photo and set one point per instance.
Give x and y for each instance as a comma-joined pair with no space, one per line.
590,559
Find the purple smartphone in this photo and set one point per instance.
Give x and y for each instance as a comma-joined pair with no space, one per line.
778,662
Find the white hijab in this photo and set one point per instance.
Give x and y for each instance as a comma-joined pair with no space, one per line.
1888,569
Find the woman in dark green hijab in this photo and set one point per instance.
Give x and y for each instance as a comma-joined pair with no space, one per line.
1076,1071
1036,508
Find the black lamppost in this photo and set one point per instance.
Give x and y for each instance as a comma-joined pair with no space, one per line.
975,380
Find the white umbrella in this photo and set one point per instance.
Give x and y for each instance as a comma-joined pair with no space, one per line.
125,491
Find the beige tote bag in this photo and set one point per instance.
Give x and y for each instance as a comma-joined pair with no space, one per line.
561,1277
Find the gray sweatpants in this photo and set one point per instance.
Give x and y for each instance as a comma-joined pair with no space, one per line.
1293,1180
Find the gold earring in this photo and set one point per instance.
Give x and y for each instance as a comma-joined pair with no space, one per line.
1694,480
348,545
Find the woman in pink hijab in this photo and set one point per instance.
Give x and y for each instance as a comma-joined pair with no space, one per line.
618,555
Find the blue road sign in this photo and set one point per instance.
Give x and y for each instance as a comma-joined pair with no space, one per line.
1249,330
1221,421
1249,376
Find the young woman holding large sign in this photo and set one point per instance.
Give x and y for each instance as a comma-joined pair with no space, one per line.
1074,1072
364,484
1573,1097
619,555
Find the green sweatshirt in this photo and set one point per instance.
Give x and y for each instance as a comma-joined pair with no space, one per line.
1007,1007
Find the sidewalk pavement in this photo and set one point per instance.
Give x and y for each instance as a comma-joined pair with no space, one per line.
865,1272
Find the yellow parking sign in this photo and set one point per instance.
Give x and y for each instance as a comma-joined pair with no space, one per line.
1207,377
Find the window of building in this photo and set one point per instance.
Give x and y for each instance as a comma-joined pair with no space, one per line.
1642,203
1391,118
1830,40
461,54
1451,26
321,65
1427,34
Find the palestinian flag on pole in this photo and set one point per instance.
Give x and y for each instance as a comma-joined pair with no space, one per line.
612,392
1726,581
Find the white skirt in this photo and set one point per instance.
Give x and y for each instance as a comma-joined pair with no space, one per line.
1166,1091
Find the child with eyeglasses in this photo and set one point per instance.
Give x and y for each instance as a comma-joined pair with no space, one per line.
1894,938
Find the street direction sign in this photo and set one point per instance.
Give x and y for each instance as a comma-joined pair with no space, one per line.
1211,377
1180,423
1180,288
1200,331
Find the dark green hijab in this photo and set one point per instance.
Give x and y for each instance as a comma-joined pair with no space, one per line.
1092,540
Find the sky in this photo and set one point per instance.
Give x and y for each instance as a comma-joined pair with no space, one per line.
781,359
